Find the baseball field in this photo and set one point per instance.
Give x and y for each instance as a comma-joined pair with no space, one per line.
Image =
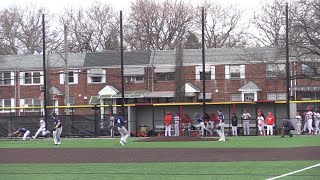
255,157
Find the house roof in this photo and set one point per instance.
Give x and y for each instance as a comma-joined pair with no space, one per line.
56,91
35,62
113,58
250,86
218,56
189,87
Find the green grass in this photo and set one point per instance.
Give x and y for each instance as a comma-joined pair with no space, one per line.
171,170
177,170
232,142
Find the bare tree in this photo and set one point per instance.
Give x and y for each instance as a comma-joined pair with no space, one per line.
306,20
157,25
21,30
222,26
270,23
30,27
8,31
91,30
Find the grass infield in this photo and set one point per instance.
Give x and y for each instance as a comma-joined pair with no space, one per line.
171,170
232,142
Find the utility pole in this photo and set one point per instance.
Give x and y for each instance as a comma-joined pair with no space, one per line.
66,67
287,62
44,69
121,54
203,68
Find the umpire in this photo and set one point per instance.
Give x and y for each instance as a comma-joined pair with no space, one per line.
57,129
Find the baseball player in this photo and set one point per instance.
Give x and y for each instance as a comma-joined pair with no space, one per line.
221,126
176,120
270,123
260,120
57,129
119,122
308,120
167,124
111,124
246,122
298,122
200,124
316,122
23,131
234,123
41,130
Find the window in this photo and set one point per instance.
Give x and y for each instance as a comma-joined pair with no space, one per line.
134,79
249,97
276,96
276,70
96,76
207,75
5,103
72,77
307,69
235,71
209,72
5,78
31,102
235,97
31,78
169,76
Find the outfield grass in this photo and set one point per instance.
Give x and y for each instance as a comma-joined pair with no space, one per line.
245,142
171,170
150,171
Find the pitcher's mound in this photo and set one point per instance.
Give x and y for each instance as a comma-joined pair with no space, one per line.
177,138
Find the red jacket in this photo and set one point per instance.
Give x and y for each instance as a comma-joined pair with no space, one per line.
270,120
168,119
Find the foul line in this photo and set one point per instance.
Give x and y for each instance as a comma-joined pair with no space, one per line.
294,172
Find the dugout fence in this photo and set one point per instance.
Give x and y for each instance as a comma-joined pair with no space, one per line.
92,121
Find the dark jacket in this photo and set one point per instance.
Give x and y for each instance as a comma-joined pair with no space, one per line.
234,121
287,124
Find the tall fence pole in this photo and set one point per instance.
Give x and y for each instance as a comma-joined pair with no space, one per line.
44,70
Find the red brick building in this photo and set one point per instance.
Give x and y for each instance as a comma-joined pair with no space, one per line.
232,74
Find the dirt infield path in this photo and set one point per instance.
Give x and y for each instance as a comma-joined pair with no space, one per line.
136,155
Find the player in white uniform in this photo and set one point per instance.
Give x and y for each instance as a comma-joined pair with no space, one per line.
308,121
298,122
260,120
316,122
246,122
176,120
42,129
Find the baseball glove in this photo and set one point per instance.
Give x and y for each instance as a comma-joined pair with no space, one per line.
219,127
13,134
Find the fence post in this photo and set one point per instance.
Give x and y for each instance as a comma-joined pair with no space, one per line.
72,128
10,122
95,121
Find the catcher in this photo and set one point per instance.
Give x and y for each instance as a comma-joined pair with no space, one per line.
21,131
